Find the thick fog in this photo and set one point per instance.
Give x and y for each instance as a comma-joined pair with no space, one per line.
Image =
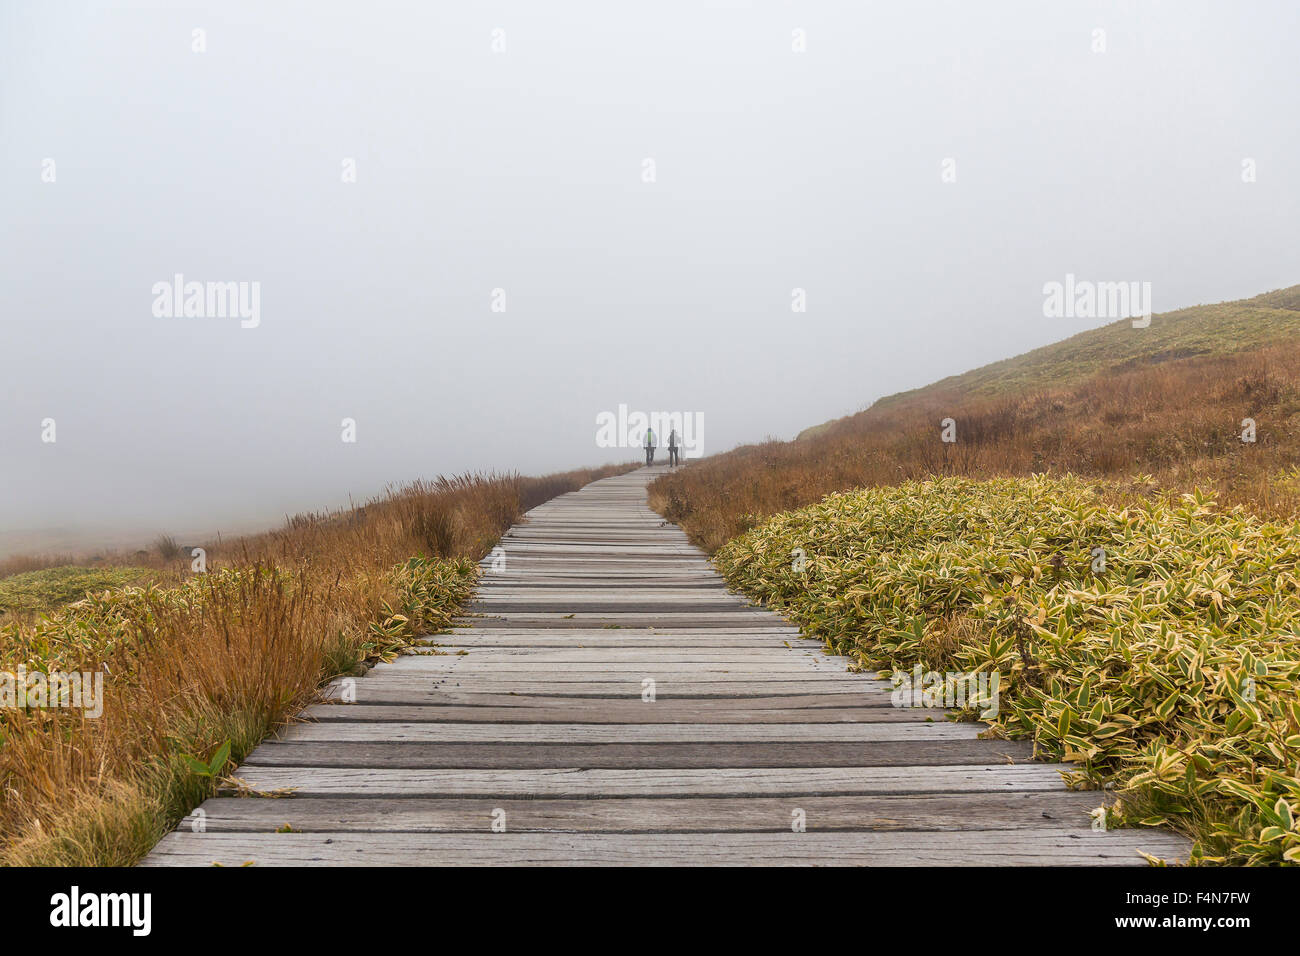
472,229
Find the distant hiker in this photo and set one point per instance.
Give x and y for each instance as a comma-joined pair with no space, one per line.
672,448
649,447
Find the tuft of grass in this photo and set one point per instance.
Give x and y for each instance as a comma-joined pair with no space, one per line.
167,547
1169,669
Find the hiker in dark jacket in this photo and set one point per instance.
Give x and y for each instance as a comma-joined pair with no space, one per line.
672,448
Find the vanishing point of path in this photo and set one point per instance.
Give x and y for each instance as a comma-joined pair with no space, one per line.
607,701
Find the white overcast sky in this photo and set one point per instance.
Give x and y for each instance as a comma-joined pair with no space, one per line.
522,170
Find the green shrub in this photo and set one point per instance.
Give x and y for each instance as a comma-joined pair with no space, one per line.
1169,670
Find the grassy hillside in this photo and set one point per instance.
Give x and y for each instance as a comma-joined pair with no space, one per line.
1204,330
1167,400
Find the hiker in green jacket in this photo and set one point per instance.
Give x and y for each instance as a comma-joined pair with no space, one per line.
649,447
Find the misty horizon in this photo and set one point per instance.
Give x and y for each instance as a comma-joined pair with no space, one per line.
438,225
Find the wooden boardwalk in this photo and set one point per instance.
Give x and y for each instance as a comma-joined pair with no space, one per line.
609,702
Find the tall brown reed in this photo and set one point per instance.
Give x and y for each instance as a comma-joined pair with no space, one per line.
226,655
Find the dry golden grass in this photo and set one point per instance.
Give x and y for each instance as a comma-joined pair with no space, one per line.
24,563
1179,420
227,655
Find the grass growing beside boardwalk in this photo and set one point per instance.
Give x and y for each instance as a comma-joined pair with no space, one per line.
1168,668
200,672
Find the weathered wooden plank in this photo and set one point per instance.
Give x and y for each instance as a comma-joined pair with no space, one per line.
756,633
569,638
1063,809
439,732
579,782
558,625
604,710
547,703
678,687
948,848
633,601
419,755
609,594
584,622
447,664
598,617
527,656
616,639
612,613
